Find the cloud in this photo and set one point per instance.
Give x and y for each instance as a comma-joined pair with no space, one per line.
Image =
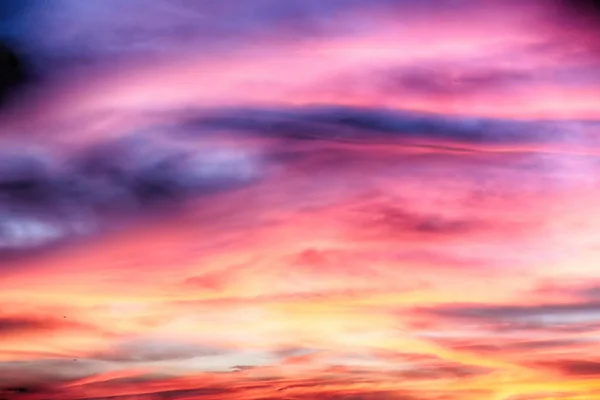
390,221
572,367
19,325
443,371
456,81
25,390
545,396
309,267
573,317
154,350
509,345
210,387
47,197
394,380
509,311
46,373
149,172
451,82
372,125
575,290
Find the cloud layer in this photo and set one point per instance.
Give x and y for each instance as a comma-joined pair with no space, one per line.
300,200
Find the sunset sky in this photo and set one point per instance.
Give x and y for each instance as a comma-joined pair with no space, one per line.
301,199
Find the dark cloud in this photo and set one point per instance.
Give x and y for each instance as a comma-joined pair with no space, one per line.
153,172
443,371
573,317
508,345
272,388
545,396
572,368
293,352
25,392
588,291
12,392
48,197
17,325
486,345
476,311
339,123
361,395
12,325
394,220
46,373
439,81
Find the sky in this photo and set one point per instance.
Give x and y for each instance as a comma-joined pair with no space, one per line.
300,199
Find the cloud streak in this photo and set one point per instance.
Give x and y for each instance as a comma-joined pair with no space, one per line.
369,124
